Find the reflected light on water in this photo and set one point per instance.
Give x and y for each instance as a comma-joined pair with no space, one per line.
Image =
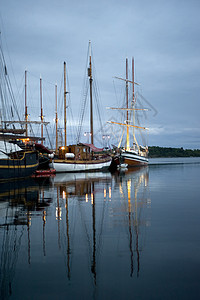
92,198
105,233
110,193
28,218
86,198
64,195
44,216
58,213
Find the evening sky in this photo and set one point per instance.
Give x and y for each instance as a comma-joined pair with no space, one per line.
162,36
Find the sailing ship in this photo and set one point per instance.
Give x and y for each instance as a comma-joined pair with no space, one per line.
135,155
15,162
44,152
80,157
33,142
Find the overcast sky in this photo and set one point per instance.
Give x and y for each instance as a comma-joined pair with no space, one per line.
162,36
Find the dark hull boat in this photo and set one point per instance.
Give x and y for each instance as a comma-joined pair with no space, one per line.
17,164
18,167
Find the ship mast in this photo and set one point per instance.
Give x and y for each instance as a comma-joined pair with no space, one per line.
26,113
91,104
127,128
65,105
133,102
56,119
42,117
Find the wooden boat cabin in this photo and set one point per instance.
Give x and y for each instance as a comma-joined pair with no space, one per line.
79,152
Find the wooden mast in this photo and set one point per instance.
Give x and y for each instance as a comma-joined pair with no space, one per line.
65,106
127,128
56,120
42,117
91,104
133,102
26,109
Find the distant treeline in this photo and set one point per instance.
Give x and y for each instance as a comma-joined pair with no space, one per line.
155,151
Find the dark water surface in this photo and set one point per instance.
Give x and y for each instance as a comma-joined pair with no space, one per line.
133,235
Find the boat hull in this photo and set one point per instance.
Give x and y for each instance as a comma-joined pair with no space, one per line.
19,168
133,160
62,166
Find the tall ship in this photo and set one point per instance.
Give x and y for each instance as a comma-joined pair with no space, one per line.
80,157
134,154
15,162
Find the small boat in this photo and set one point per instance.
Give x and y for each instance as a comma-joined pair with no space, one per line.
135,155
80,157
44,173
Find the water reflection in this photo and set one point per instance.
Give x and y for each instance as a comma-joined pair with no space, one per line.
94,221
85,187
20,201
134,192
123,193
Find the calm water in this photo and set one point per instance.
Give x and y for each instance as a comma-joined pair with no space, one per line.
133,235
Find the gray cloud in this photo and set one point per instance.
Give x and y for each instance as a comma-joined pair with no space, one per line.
163,37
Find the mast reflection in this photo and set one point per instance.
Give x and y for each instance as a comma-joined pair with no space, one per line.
83,186
134,183
20,202
97,189
94,222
